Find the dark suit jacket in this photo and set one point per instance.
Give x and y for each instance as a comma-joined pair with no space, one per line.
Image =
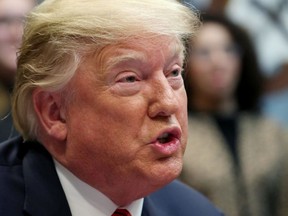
29,185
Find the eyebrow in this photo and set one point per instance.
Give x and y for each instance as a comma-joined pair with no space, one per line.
131,56
178,53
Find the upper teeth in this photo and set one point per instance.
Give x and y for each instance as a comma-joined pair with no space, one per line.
164,136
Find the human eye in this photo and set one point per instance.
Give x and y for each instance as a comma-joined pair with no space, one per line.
7,21
127,78
201,52
175,77
126,84
176,72
4,21
231,49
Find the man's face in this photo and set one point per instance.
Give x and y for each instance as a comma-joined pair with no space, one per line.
127,121
12,14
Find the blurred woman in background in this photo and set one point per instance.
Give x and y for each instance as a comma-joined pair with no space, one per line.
12,20
234,155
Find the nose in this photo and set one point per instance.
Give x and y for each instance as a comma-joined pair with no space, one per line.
17,33
224,55
16,28
163,99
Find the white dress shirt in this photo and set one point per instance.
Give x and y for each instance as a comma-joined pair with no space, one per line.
86,200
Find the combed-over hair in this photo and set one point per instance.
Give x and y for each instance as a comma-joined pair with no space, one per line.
60,33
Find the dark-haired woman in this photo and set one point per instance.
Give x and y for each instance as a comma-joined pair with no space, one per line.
234,155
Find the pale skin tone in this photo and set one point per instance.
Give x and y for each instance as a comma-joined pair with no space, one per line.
214,69
12,14
108,134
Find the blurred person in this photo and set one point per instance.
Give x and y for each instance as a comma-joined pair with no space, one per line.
267,24
104,124
207,6
12,18
234,155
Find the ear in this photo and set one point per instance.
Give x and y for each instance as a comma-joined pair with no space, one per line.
50,113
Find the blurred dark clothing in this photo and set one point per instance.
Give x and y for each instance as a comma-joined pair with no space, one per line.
7,129
247,182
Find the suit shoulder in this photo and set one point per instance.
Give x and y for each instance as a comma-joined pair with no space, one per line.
11,152
179,198
11,177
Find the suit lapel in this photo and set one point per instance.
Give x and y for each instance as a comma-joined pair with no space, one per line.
44,193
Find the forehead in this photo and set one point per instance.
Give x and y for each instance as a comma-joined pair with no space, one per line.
213,33
141,49
16,7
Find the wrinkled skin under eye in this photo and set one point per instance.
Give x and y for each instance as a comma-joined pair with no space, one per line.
175,78
126,84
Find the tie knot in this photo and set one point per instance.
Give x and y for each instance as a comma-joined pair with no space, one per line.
121,212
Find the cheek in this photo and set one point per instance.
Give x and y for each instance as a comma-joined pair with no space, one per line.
8,59
199,71
199,80
110,120
3,38
234,69
199,66
183,102
182,115
97,142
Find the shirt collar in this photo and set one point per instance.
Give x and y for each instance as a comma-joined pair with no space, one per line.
86,200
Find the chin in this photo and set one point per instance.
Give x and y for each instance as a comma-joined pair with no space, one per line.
168,171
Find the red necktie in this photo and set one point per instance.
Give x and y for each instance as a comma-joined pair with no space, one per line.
121,212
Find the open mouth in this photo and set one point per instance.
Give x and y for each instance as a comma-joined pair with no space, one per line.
167,142
165,138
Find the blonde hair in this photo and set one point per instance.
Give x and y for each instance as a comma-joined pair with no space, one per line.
59,33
